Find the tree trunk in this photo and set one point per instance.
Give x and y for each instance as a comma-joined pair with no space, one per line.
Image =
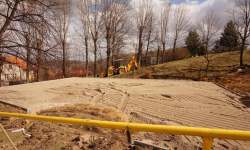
149,37
112,59
87,57
147,54
64,59
101,62
158,55
113,49
108,38
95,58
140,47
28,57
163,51
175,40
39,54
241,52
207,57
207,67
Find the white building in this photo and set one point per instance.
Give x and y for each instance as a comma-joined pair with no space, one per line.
13,70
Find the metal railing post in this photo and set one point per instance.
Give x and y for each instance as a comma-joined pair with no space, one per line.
207,143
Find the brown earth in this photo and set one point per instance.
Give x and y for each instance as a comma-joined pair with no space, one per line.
55,136
167,102
237,80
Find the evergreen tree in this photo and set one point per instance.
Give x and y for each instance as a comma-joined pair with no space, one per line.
229,40
193,43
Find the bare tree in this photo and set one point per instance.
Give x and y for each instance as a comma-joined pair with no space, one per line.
84,11
150,36
33,35
64,14
164,23
11,12
90,28
10,15
180,22
120,27
95,28
241,18
22,24
114,17
208,27
158,54
143,13
27,37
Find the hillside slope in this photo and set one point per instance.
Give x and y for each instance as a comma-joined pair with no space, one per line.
223,69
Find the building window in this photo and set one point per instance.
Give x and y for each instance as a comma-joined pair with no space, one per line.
6,77
14,76
10,66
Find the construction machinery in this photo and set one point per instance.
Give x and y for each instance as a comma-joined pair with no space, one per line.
119,68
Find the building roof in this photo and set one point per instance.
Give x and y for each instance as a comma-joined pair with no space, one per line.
15,60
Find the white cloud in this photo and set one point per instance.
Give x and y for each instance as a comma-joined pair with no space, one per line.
194,2
197,10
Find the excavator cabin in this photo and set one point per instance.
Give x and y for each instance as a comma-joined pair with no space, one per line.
118,63
118,68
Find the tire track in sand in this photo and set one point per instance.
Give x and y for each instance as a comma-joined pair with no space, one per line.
124,101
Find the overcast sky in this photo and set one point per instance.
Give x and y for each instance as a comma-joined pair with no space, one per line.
197,8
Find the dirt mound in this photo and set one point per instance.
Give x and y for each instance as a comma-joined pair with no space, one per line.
237,80
53,136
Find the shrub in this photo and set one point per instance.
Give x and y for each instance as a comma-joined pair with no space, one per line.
148,75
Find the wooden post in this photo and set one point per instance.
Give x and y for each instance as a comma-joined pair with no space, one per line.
8,137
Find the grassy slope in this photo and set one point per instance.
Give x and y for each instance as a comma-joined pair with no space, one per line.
192,68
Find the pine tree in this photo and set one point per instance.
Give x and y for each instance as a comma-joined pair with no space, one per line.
193,43
229,40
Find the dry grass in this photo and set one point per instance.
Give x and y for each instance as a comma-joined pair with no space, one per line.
15,137
192,68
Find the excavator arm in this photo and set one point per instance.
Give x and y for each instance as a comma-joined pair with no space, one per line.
131,63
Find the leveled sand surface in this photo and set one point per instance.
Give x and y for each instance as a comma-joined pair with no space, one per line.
169,102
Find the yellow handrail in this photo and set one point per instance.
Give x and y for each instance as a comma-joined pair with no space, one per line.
206,133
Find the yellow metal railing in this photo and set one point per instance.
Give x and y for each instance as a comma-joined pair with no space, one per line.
206,133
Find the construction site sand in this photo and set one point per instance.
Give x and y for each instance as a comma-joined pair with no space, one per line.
168,102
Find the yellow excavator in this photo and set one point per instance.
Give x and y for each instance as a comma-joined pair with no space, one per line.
119,68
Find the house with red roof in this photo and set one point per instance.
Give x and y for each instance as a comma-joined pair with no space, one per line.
13,69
